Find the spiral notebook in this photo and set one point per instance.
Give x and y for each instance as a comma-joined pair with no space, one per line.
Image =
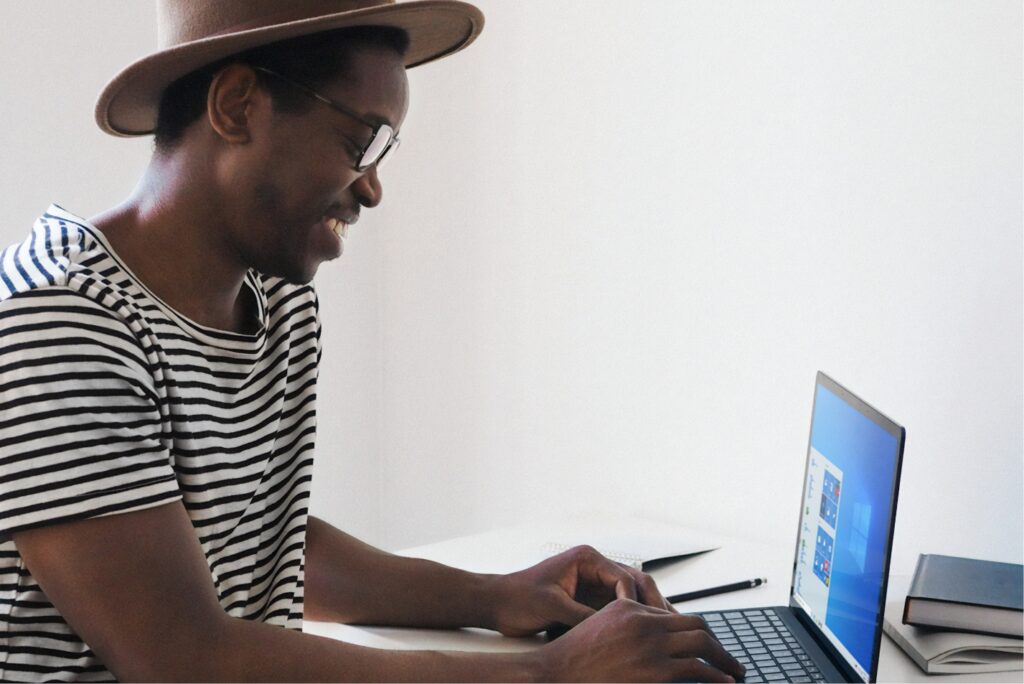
634,541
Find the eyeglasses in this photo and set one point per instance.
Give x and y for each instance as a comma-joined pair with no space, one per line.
384,141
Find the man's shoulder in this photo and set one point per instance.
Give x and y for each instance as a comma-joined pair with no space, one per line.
59,247
62,276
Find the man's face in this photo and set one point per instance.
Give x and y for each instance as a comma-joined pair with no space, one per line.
300,171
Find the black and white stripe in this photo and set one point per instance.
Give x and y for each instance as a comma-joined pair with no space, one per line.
111,402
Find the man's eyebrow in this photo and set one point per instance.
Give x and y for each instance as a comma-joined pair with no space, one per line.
377,119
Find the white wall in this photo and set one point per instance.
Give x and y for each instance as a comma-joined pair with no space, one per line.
618,241
623,237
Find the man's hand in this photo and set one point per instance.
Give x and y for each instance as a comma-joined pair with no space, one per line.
567,589
624,630
627,641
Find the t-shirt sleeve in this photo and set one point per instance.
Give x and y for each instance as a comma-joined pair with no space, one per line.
81,432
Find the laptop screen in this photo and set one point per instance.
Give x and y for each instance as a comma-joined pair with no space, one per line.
846,522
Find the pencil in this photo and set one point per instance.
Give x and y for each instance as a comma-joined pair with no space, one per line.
714,591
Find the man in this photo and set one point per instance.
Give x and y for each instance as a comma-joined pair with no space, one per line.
157,384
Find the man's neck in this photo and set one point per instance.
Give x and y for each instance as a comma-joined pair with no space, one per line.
169,233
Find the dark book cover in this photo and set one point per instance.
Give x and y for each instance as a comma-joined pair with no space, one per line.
966,582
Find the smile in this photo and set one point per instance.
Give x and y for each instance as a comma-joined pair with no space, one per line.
339,228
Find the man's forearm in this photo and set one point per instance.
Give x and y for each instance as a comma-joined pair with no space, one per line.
349,581
241,650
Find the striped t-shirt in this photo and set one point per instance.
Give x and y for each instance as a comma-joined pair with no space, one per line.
110,402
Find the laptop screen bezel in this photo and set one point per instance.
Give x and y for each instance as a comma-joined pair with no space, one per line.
900,434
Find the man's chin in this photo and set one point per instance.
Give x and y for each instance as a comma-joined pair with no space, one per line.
292,276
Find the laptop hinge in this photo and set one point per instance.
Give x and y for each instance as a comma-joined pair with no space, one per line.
824,644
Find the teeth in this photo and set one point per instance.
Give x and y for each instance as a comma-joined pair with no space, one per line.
332,223
337,226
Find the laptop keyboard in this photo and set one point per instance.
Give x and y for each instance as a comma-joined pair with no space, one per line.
760,640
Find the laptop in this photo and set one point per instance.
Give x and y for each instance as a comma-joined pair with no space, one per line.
831,631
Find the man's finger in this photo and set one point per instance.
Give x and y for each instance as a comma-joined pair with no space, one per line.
693,670
681,622
697,643
647,590
596,569
569,612
625,587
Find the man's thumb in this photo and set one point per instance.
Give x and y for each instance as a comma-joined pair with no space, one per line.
570,612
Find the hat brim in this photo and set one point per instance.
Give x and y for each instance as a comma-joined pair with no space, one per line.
128,105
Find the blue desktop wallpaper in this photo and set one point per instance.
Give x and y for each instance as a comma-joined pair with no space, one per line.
866,454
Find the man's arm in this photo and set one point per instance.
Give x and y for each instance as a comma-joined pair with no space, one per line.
136,587
349,581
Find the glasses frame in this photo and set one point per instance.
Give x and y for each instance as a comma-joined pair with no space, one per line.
380,131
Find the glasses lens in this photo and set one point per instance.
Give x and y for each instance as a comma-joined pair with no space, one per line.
389,152
377,146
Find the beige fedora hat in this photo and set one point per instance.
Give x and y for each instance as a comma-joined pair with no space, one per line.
194,33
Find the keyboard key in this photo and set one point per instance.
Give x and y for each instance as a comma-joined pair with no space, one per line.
773,642
769,670
786,660
757,651
728,641
793,670
752,678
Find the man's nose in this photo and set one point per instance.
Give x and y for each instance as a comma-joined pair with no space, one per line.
367,188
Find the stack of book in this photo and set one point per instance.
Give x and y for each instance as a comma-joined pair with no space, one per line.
961,615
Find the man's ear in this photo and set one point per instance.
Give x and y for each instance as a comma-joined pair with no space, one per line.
230,102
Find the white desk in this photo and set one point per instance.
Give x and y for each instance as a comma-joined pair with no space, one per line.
511,549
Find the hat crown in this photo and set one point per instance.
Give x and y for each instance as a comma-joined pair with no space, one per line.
185,21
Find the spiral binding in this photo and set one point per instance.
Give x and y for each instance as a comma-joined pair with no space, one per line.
630,559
